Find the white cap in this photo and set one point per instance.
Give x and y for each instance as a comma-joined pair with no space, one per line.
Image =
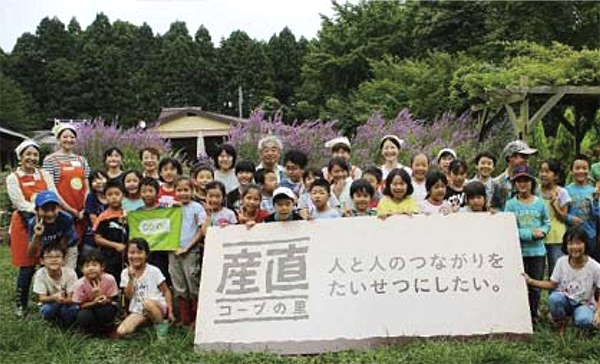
446,150
24,145
60,127
340,140
392,137
284,191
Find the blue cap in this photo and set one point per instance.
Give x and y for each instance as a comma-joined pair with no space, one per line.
46,197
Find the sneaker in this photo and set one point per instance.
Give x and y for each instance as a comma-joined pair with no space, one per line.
162,328
19,311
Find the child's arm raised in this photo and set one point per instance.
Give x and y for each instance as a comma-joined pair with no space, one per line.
549,285
128,291
167,293
34,242
559,212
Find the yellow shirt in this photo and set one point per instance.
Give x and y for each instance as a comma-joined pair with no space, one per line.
388,206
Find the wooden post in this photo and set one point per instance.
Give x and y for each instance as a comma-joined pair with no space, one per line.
524,109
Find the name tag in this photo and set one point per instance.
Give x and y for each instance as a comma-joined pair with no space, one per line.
76,163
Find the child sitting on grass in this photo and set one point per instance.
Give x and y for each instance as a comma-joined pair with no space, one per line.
54,283
96,294
574,281
147,291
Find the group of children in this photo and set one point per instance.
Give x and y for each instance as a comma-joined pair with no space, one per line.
552,220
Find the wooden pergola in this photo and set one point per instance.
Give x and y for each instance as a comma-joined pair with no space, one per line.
524,122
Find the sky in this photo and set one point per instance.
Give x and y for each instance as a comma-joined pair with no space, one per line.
259,18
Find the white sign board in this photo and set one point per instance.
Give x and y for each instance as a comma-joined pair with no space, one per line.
329,285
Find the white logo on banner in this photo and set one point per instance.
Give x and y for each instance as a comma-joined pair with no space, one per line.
155,226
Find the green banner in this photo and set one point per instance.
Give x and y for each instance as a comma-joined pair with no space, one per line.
161,227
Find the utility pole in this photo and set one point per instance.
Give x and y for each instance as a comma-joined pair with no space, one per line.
240,101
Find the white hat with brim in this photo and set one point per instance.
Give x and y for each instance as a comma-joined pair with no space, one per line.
24,145
341,140
59,128
283,191
446,150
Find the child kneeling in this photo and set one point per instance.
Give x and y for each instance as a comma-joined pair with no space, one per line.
574,280
148,294
95,292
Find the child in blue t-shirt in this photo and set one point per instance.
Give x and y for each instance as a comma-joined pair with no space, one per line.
50,225
185,263
583,208
533,222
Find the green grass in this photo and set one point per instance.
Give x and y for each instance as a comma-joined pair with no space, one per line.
34,341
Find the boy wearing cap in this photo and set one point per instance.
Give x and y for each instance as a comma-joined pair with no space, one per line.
51,225
283,201
516,153
533,222
340,147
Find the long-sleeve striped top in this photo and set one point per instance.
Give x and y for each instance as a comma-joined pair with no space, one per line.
51,164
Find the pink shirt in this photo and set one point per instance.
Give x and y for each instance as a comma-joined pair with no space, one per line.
83,288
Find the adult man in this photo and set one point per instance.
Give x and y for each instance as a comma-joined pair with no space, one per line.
269,149
515,153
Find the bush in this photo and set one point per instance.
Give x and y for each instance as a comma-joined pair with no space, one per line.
94,137
447,131
308,136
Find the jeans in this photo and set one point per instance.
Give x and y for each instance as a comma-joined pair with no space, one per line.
553,252
561,307
64,314
534,267
98,319
23,283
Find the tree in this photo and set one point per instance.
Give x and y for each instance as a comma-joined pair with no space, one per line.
286,57
14,106
205,77
243,63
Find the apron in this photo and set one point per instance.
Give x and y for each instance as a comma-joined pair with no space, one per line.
71,188
19,234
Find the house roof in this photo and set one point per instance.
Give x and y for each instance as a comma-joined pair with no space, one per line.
13,133
170,113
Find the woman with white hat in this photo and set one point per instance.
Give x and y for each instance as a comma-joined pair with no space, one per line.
70,173
389,147
340,147
22,186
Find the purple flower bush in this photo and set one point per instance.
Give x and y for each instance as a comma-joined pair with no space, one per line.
308,136
94,137
420,136
460,133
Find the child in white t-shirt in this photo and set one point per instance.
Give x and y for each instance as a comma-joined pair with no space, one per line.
145,286
574,280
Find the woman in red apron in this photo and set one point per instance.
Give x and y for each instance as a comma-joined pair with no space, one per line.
70,174
22,187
